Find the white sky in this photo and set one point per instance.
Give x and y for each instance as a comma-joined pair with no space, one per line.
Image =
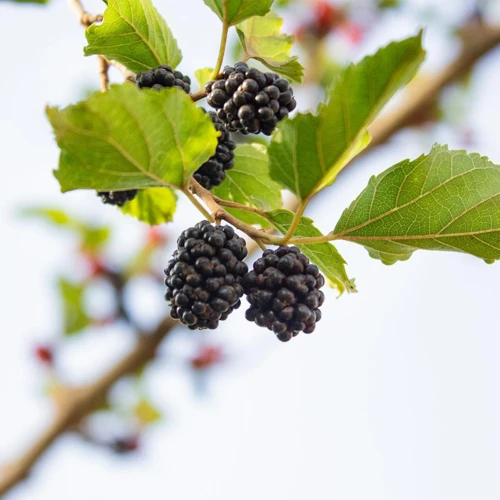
395,396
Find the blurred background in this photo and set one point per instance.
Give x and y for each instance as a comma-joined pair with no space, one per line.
394,396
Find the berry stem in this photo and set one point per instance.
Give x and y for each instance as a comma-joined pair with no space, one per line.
197,204
218,213
295,222
103,73
232,204
223,43
197,96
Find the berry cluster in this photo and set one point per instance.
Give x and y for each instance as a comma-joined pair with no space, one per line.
117,198
204,278
213,172
250,101
162,77
283,292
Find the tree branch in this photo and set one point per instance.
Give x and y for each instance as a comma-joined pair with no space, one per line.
80,403
477,40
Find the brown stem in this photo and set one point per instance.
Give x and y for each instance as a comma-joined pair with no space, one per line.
478,40
197,96
85,18
219,213
103,73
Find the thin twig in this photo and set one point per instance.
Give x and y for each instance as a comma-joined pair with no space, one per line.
218,213
103,73
127,74
85,18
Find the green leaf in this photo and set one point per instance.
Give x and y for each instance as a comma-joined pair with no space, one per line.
324,255
128,138
153,206
447,200
262,40
74,316
133,33
248,183
239,10
146,413
308,152
203,76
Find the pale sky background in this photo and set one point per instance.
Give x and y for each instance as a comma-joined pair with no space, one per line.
395,396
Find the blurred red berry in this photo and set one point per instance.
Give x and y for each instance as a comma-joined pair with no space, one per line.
44,354
353,32
207,356
125,445
96,267
326,17
155,237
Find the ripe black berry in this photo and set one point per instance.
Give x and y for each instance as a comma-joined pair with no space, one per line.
250,101
284,292
117,198
162,77
213,172
204,278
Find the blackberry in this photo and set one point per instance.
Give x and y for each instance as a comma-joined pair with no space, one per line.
213,172
162,77
204,278
284,292
117,198
250,101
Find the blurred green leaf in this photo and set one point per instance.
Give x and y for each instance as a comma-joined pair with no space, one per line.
447,200
308,151
133,33
262,40
128,138
31,1
53,215
248,183
203,76
153,206
146,413
74,316
239,10
324,255
92,237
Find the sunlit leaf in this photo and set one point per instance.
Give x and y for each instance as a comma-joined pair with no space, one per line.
308,151
239,10
447,200
128,138
262,40
203,76
133,33
153,206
